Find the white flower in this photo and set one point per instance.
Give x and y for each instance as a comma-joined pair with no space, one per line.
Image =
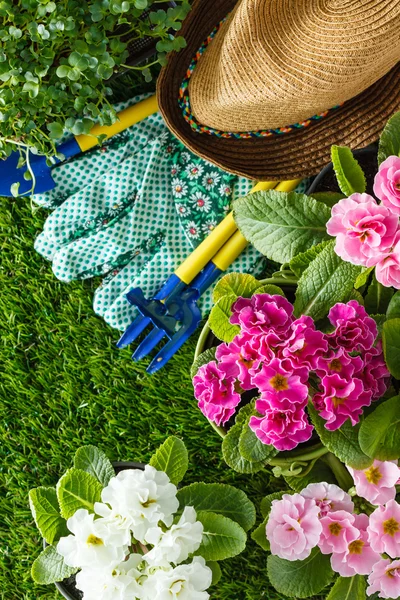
118,583
91,545
186,582
182,209
113,526
201,201
225,189
175,170
211,180
142,497
177,543
186,157
179,187
194,170
192,230
209,226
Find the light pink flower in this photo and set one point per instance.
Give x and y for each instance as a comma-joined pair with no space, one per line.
328,497
354,328
364,230
385,579
341,400
387,271
358,558
280,385
384,529
240,357
338,531
387,184
282,429
305,344
262,314
293,527
377,483
215,393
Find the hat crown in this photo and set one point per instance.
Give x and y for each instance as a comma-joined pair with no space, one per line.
279,62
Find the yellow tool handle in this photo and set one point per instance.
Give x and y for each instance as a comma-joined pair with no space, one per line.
126,118
208,248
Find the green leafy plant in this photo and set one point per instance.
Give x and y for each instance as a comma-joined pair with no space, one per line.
56,59
220,517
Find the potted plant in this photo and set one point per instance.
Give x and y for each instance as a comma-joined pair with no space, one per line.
57,58
126,529
342,326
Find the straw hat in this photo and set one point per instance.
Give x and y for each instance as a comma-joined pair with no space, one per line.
265,87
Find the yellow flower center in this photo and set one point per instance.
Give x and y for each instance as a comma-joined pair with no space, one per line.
373,475
390,527
335,528
93,540
356,547
335,365
279,383
338,401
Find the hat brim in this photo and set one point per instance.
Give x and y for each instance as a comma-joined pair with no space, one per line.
302,153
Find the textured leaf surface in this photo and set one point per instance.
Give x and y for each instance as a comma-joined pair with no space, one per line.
377,298
299,263
380,432
94,461
391,346
216,571
220,499
363,277
300,578
219,319
203,358
236,284
389,143
77,489
281,225
393,310
348,588
231,453
49,567
349,174
328,198
327,280
343,442
222,537
259,535
172,458
251,448
46,512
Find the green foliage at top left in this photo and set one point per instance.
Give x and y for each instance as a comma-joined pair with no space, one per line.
57,57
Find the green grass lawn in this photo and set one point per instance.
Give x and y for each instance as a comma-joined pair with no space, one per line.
63,384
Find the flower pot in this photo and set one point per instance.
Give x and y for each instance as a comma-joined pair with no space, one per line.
67,587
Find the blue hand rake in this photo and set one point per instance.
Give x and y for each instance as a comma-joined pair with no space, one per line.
173,311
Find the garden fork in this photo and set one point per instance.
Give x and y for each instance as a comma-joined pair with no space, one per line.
173,311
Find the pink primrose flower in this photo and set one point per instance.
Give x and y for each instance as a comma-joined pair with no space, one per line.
387,271
384,529
283,429
377,483
338,361
355,330
341,400
305,344
241,356
358,558
262,314
293,527
387,184
338,531
328,497
385,579
280,385
375,375
364,230
215,393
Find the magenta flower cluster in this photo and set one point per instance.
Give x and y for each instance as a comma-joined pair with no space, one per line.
368,233
323,515
287,361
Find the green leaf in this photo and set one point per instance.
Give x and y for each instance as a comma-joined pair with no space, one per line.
379,320
348,588
251,448
77,489
94,461
300,578
299,263
62,71
215,569
266,502
349,174
342,442
363,277
220,499
380,432
56,130
281,225
271,289
389,143
230,444
219,319
328,279
320,471
203,358
259,535
46,512
236,284
14,189
328,198
49,567
393,310
172,458
377,298
222,537
391,346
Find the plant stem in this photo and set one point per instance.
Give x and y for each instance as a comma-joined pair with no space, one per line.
306,456
342,475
